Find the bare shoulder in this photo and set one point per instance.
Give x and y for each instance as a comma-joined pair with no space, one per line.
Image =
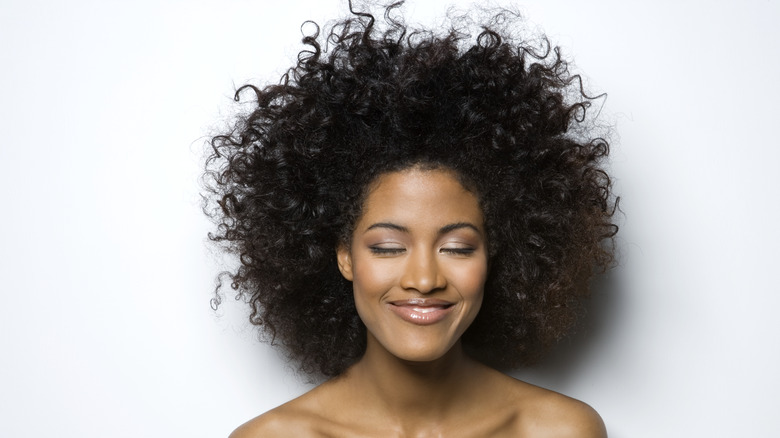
280,422
305,417
544,413
299,417
561,416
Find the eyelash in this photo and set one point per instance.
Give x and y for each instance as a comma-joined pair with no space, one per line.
386,251
396,251
458,251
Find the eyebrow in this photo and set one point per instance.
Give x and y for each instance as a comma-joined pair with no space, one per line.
443,230
451,227
389,225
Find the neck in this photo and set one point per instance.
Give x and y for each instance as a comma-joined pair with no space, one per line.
414,391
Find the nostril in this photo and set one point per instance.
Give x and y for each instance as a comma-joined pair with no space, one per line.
423,278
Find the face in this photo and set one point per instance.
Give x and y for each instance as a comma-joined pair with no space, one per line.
417,262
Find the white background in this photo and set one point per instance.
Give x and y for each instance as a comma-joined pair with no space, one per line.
106,329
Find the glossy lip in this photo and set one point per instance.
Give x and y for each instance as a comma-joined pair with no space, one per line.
421,311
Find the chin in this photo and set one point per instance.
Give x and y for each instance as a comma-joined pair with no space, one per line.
420,351
422,356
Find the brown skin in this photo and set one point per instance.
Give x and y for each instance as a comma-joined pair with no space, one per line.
414,379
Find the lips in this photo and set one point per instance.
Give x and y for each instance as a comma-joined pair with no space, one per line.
421,311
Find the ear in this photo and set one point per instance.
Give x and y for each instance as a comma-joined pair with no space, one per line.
344,260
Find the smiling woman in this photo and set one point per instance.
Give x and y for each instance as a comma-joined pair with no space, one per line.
411,211
418,278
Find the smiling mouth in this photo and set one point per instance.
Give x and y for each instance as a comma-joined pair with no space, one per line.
421,311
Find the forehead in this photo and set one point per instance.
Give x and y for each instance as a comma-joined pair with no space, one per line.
420,196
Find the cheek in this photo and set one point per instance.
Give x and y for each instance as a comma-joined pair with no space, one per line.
371,280
470,281
369,284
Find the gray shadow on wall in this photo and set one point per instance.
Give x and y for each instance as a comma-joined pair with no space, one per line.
601,318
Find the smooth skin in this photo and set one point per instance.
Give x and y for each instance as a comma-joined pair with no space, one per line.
421,237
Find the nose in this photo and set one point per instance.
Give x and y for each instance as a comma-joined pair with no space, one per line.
422,273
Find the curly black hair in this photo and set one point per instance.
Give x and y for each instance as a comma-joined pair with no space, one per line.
286,184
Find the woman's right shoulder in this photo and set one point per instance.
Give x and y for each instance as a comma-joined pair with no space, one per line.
301,417
284,421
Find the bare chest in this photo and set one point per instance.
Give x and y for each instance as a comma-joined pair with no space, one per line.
495,425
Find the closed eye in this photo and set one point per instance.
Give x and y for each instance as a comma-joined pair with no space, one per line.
458,250
381,250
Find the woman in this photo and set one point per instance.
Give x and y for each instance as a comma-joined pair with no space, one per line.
413,211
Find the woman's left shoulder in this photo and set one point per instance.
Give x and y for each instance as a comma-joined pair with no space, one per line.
545,413
557,415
